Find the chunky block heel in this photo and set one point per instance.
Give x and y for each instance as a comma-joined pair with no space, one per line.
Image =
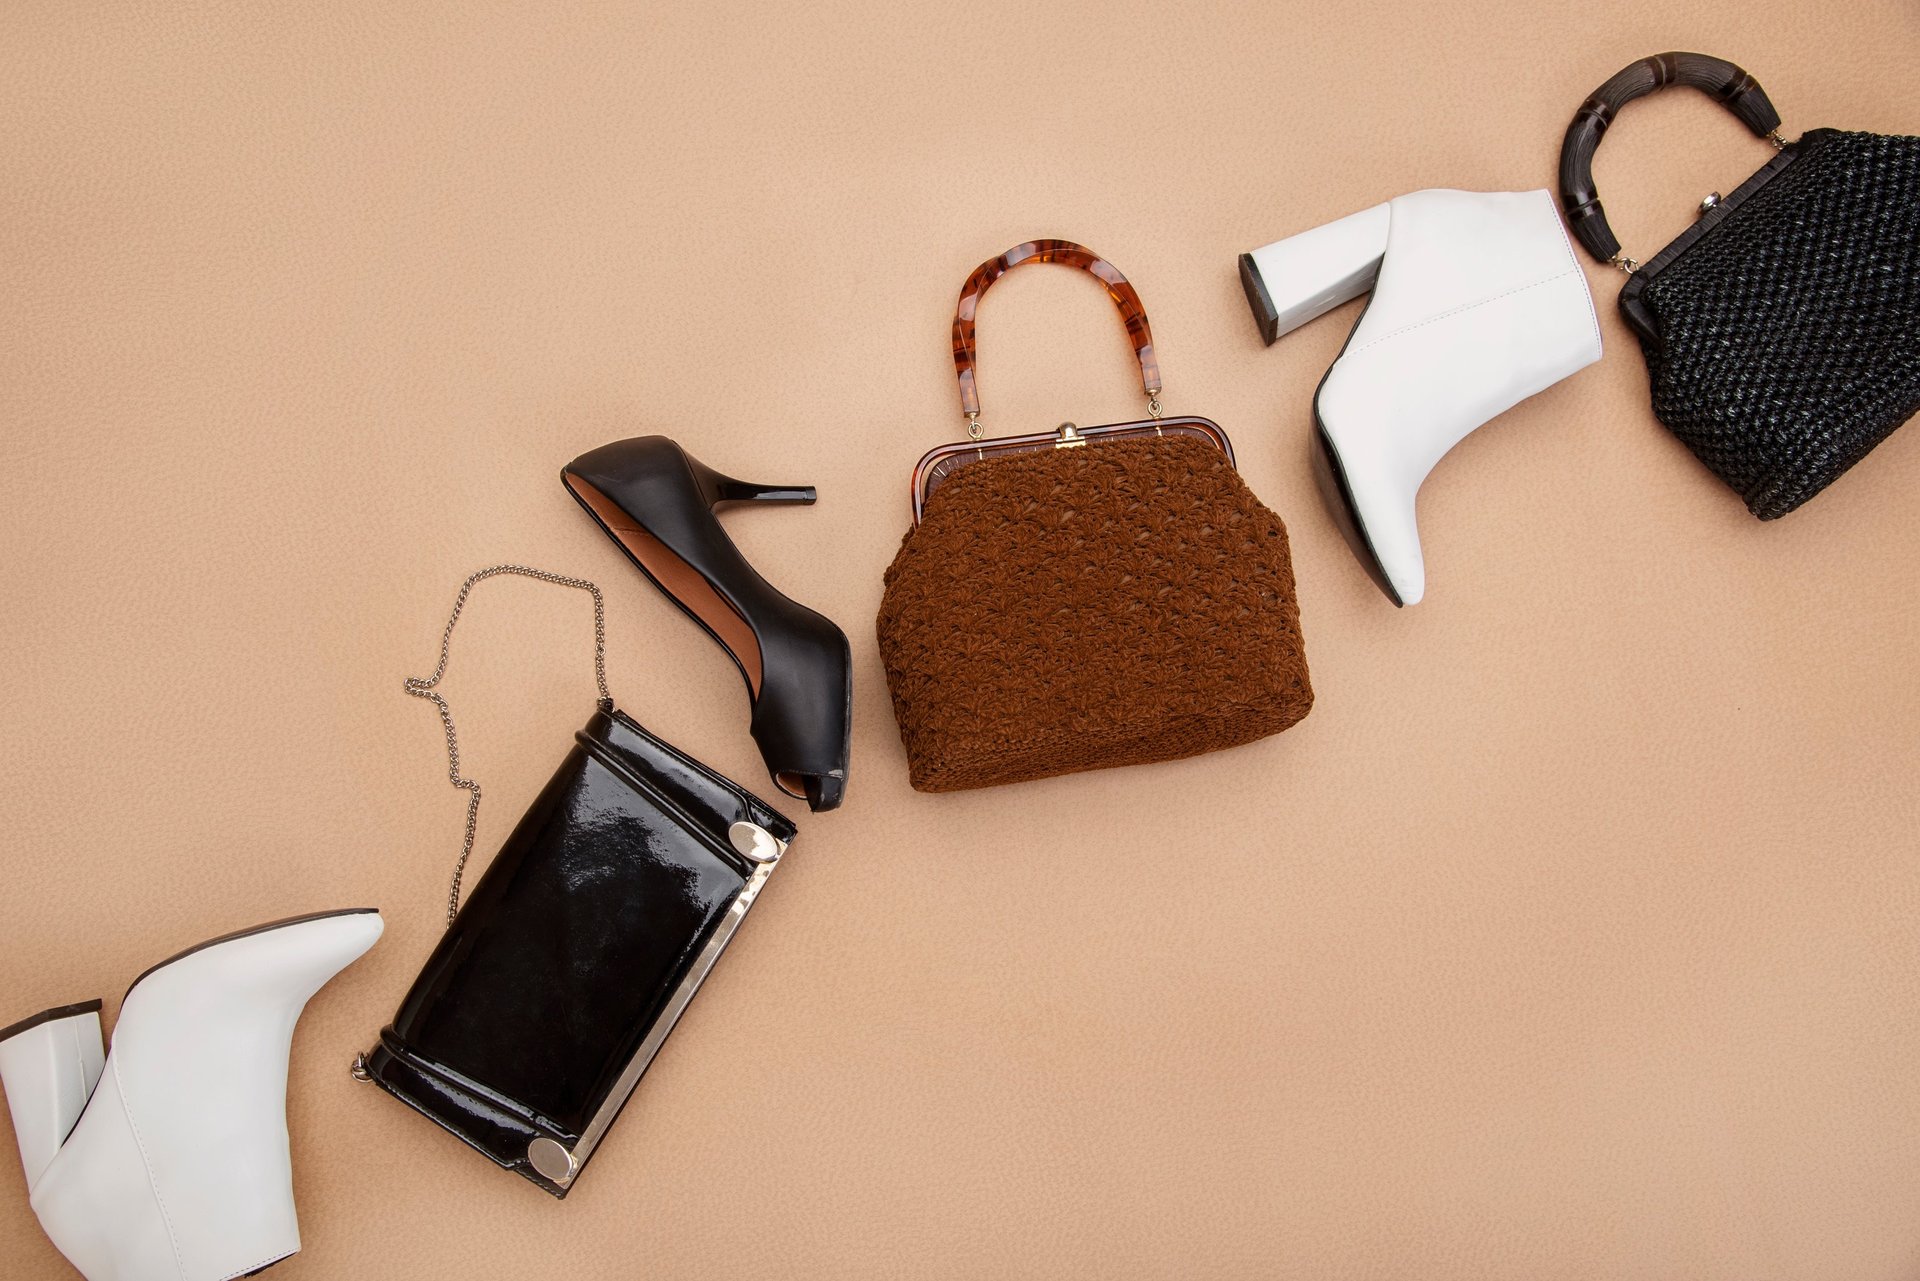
1303,277
49,1065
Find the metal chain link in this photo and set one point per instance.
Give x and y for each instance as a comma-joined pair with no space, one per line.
423,687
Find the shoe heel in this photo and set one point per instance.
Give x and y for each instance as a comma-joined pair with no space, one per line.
49,1065
717,489
1292,281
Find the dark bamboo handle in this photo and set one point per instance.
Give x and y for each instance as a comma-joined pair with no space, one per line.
1734,88
1063,251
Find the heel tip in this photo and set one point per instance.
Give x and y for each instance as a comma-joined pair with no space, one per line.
53,1015
1265,314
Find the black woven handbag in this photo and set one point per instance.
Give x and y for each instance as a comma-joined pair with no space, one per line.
1781,330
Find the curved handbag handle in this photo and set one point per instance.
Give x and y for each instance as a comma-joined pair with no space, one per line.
1739,92
1063,251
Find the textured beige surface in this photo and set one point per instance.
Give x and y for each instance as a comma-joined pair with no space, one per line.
1572,935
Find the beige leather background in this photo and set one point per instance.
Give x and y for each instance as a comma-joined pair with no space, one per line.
1574,934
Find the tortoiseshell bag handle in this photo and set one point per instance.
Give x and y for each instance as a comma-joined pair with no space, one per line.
1063,251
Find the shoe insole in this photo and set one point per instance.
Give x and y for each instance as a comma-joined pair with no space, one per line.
679,580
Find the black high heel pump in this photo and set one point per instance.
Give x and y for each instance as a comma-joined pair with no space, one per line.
657,502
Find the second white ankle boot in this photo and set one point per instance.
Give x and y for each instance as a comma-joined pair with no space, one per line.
167,1160
1478,303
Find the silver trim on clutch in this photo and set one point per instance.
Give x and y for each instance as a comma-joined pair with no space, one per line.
543,1153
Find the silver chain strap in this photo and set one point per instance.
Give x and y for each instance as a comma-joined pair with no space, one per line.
423,687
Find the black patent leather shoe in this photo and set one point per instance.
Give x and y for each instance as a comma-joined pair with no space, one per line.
657,502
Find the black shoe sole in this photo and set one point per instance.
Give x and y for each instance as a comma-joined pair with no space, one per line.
1332,478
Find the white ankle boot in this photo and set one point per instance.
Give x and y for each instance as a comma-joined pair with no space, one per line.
1477,304
166,1160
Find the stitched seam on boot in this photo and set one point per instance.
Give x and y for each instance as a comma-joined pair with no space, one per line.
1586,289
1457,311
153,1183
80,1075
79,1069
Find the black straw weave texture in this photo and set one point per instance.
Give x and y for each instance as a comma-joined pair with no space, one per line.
1790,332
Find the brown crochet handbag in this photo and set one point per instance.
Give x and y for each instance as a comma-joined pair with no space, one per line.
1085,597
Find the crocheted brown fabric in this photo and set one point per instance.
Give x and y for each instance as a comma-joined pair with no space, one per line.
1080,608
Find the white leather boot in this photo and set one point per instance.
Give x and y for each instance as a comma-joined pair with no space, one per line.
167,1160
1477,304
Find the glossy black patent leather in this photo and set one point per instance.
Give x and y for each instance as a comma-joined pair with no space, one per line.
570,945
803,711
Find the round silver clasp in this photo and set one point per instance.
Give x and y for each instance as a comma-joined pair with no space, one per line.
553,1162
754,842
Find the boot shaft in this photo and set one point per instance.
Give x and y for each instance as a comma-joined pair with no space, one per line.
177,1167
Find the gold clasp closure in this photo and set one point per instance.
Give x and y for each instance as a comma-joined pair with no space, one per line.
1070,437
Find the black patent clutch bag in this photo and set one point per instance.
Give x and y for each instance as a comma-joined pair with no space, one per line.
561,976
